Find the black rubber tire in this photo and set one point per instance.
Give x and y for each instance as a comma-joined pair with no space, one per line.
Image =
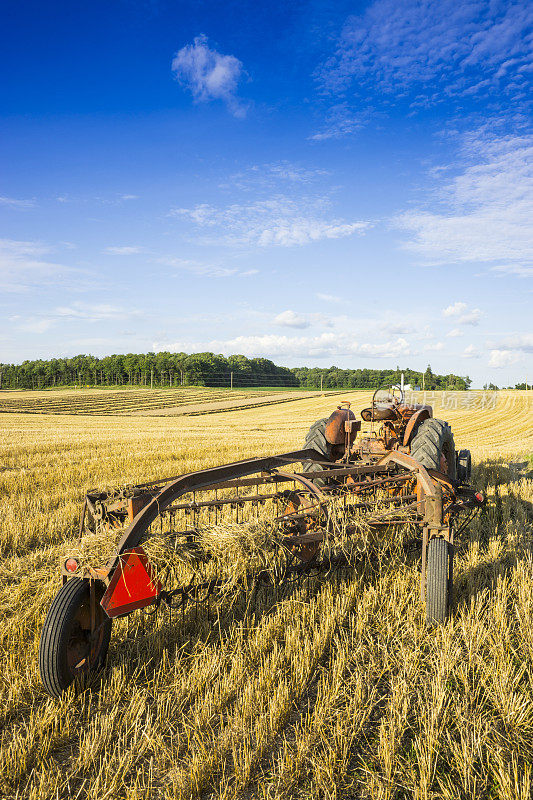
53,665
464,465
439,580
432,439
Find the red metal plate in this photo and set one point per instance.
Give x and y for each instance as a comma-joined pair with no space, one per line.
132,586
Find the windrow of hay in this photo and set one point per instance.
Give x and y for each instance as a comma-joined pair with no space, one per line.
236,552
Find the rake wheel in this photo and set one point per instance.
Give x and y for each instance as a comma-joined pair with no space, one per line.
298,503
66,649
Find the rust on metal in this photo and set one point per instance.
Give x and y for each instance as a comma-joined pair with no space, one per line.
379,473
336,426
424,412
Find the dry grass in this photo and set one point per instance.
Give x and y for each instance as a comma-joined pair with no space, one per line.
339,690
143,402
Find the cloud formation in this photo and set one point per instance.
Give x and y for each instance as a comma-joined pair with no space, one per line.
470,351
12,202
24,266
87,312
209,75
519,270
203,269
126,250
290,319
488,214
429,51
329,298
278,221
326,344
502,358
462,315
270,176
510,350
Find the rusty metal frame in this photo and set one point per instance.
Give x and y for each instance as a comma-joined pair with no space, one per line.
194,481
154,499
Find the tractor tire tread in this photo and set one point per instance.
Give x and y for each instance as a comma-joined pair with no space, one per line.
438,580
433,438
64,605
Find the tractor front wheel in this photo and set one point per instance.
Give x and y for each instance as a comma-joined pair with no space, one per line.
439,580
69,647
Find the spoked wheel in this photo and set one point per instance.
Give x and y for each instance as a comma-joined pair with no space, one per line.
67,649
439,580
297,505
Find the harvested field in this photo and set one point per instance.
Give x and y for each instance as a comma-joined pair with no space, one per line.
339,690
116,401
158,402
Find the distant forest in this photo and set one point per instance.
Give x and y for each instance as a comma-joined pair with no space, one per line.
206,369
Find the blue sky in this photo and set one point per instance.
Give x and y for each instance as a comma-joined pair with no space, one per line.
318,183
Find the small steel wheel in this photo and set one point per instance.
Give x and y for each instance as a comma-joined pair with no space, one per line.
67,649
439,577
297,505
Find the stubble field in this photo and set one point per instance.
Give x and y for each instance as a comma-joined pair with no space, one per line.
338,691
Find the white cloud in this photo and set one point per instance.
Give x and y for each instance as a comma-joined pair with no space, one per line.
326,344
88,312
470,352
431,51
291,319
510,350
520,342
454,310
341,121
329,298
277,221
205,270
270,176
12,202
462,315
93,312
502,358
520,270
488,214
209,75
23,267
436,346
127,250
454,333
36,325
398,327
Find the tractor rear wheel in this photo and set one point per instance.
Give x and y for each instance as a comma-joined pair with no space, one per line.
67,649
433,446
438,580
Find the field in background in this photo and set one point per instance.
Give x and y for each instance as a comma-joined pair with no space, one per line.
156,402
339,691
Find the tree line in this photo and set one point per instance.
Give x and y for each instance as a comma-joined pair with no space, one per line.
206,369
332,378
147,369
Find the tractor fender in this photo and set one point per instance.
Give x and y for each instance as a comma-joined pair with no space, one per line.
426,412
